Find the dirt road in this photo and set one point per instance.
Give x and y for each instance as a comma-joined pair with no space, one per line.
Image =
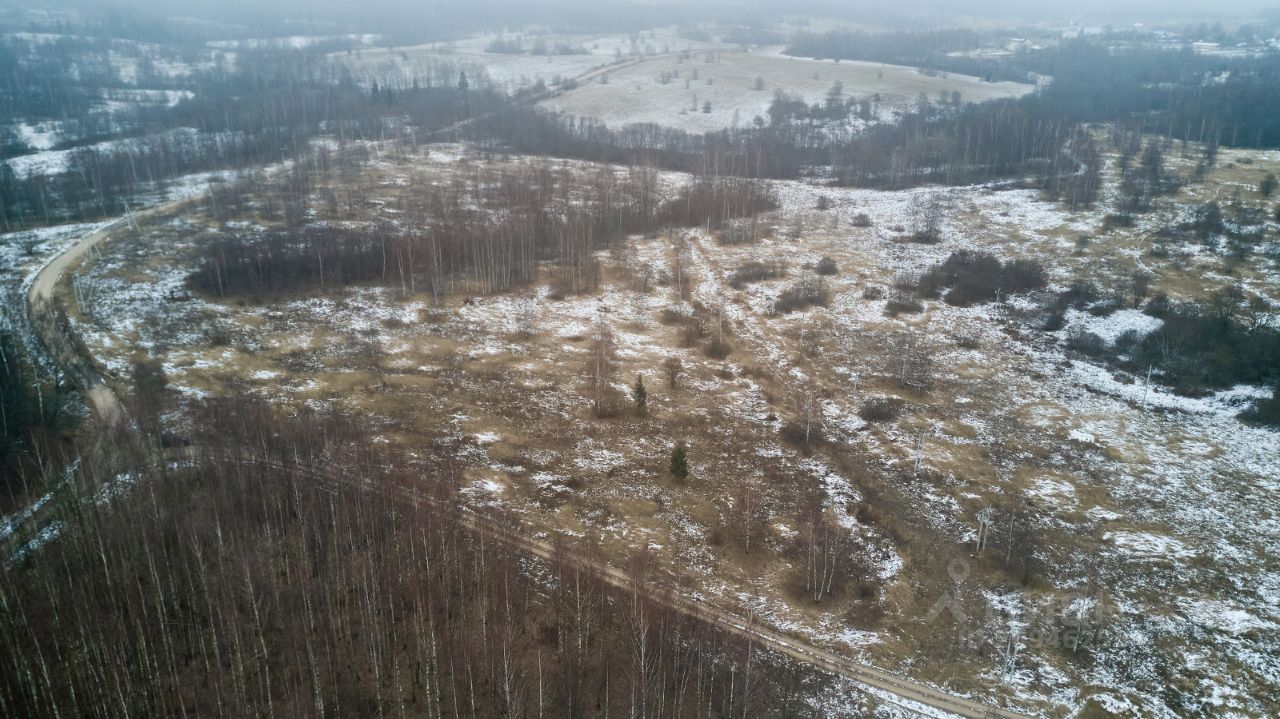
104,403
798,649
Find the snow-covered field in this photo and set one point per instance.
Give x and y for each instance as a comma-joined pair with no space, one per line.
54,162
511,71
666,79
672,91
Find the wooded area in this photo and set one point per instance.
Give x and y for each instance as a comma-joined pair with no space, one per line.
487,229
253,580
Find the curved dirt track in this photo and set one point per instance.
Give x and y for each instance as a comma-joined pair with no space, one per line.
104,403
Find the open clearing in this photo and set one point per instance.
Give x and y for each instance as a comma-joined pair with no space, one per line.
1151,509
513,71
665,79
728,81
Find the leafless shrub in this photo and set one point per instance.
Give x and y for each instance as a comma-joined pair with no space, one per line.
601,370
742,232
755,271
810,290
880,409
915,363
927,217
673,316
718,348
672,367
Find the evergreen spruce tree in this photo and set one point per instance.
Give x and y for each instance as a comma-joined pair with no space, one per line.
640,395
679,461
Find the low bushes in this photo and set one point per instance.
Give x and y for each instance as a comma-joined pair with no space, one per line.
880,409
808,291
755,272
970,277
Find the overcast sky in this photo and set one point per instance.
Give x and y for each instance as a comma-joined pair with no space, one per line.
870,12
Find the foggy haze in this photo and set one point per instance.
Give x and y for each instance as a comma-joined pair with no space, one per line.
659,359
393,14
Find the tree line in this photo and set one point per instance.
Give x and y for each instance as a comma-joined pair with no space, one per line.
485,232
35,415
1177,92
267,109
999,140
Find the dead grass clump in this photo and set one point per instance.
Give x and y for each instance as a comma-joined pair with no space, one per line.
794,433
809,291
881,409
673,316
718,349
755,271
902,303
394,323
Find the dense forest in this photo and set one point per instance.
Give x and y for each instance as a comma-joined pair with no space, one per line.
265,111
274,101
35,414
253,580
1177,92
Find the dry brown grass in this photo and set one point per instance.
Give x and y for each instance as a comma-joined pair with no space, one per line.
443,376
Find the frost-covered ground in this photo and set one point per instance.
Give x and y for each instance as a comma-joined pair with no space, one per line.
512,71
672,90
127,75
1173,497
292,42
1154,513
506,72
54,162
22,254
